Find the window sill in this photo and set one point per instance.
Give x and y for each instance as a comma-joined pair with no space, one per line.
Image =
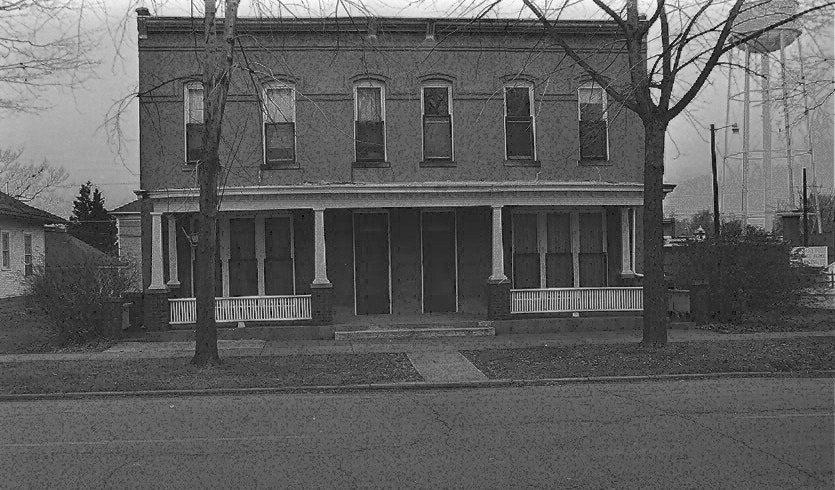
280,166
522,163
593,162
378,164
437,163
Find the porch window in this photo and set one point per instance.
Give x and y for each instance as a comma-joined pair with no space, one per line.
370,124
519,123
592,115
27,254
194,118
279,273
279,125
6,254
243,266
592,253
559,249
437,123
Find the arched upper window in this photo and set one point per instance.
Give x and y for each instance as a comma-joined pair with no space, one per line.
279,127
370,121
194,119
593,122
519,123
436,110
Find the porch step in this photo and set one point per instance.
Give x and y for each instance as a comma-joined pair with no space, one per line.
414,333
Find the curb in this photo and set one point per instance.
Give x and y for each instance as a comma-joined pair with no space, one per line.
412,385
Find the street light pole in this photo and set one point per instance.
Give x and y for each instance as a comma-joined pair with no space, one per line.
715,181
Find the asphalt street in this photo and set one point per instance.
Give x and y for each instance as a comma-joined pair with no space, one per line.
726,433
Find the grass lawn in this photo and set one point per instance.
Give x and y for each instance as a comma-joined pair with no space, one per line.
797,355
178,374
23,327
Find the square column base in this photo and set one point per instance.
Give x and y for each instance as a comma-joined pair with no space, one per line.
156,311
321,303
498,300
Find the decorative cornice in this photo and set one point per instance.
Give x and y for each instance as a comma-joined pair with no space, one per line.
382,25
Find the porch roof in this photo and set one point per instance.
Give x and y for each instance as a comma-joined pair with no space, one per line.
411,194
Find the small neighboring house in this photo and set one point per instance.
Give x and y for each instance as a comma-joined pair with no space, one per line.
22,246
65,250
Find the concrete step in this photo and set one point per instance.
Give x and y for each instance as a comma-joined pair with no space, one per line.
414,333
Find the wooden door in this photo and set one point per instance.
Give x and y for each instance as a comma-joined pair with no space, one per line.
371,263
439,262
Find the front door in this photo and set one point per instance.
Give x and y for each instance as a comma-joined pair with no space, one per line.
439,261
371,263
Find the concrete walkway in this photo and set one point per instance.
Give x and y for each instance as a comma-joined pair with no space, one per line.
241,348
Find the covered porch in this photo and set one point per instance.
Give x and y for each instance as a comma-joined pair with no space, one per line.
529,250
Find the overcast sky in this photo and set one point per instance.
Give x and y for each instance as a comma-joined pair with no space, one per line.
70,132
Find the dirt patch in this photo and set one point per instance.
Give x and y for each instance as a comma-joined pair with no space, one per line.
784,355
802,319
178,374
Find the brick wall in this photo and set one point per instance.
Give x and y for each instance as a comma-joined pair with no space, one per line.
12,280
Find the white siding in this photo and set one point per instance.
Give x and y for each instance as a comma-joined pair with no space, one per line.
12,281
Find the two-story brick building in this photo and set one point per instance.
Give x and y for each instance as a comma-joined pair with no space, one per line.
393,166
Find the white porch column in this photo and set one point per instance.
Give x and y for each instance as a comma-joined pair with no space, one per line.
320,258
157,277
498,248
260,253
575,246
224,255
173,277
625,242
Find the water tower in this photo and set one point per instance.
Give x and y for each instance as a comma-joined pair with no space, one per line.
754,194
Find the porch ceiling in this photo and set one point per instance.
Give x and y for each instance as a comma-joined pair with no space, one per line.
408,195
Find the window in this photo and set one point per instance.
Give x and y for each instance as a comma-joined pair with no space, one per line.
370,127
559,250
279,125
6,262
437,123
27,254
519,123
194,122
594,132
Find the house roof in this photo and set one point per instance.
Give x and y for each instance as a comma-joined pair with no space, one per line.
16,209
65,250
129,208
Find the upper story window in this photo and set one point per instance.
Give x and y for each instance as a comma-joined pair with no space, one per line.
594,131
5,246
519,122
437,122
194,118
279,125
370,122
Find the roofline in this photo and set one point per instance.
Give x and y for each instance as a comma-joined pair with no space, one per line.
384,24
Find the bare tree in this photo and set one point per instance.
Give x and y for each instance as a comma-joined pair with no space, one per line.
217,60
28,181
44,44
690,39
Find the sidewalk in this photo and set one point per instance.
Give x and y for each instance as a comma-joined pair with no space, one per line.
261,348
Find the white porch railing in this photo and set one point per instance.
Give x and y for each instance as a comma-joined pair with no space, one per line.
569,300
245,308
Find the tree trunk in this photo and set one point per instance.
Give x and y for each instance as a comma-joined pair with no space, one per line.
655,291
217,65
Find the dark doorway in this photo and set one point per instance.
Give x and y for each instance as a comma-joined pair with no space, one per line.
439,261
371,263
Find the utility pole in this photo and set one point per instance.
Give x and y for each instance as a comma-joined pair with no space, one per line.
715,181
805,212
